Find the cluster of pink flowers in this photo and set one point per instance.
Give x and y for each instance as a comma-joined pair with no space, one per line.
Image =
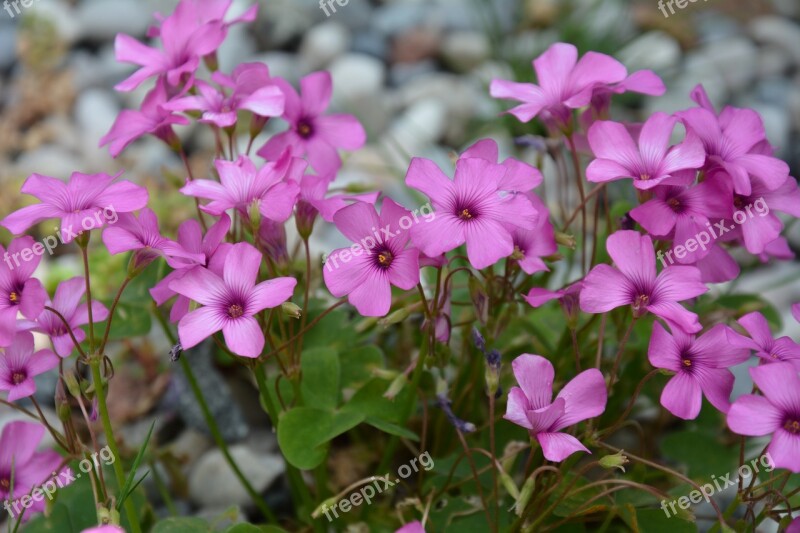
723,165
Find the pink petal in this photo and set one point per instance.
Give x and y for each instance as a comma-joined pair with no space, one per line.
517,408
554,66
373,297
754,416
633,255
487,242
717,385
655,216
404,270
357,221
682,396
558,446
604,289
663,352
535,376
585,396
780,383
676,316
426,177
200,285
342,131
243,336
544,419
785,450
439,235
270,293
198,326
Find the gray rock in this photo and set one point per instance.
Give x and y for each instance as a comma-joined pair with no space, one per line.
371,43
396,18
465,50
714,26
655,50
50,160
732,60
356,76
281,65
323,43
422,124
8,46
780,32
95,112
776,123
401,74
213,484
103,19
787,8
237,47
216,392
772,61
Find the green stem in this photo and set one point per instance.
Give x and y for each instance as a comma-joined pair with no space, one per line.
100,391
300,490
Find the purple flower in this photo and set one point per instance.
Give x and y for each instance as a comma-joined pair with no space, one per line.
313,199
366,271
191,239
767,348
230,302
20,462
634,282
67,301
729,142
311,133
19,365
185,38
530,246
143,236
649,163
104,529
82,203
153,118
474,208
272,190
700,366
220,109
564,84
412,527
531,405
776,413
20,292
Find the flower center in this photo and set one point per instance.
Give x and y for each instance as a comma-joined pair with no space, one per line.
674,203
18,377
687,363
5,484
792,426
235,311
738,201
640,304
13,297
385,259
518,253
644,176
465,215
304,129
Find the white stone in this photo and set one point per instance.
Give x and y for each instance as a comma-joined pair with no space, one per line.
104,19
323,43
356,76
655,50
465,50
779,32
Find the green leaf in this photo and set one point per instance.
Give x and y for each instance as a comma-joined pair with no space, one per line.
654,521
250,528
182,525
358,363
321,378
303,435
391,429
129,486
344,421
129,321
369,401
703,457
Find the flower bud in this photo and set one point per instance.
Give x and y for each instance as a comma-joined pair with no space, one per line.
396,317
291,309
617,460
525,495
565,239
480,299
509,484
72,384
492,373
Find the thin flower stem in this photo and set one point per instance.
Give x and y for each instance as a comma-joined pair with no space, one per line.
258,501
58,437
493,449
304,316
471,461
631,403
575,348
579,179
100,391
85,253
303,331
618,358
111,313
577,210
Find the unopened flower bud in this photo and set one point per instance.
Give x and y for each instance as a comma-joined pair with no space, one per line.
509,484
492,373
72,383
479,299
565,239
396,317
254,213
525,495
478,340
291,309
617,460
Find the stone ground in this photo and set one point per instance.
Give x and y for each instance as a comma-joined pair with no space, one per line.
416,73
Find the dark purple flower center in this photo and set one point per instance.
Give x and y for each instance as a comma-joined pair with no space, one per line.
640,303
18,377
792,425
384,258
674,204
13,298
235,311
304,129
739,201
5,484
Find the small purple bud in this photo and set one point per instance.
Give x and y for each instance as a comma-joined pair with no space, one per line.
446,406
478,340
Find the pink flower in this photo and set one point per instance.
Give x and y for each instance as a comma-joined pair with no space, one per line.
634,282
564,83
82,203
776,413
530,246
20,292
650,163
311,133
191,239
153,118
700,366
67,301
473,209
794,527
185,39
104,529
682,213
272,190
642,82
314,200
28,468
796,311
208,11
519,176
761,341
230,301
729,142
533,408
412,527
143,236
220,109
366,271
19,365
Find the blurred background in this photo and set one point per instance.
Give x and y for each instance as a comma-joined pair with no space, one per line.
415,72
